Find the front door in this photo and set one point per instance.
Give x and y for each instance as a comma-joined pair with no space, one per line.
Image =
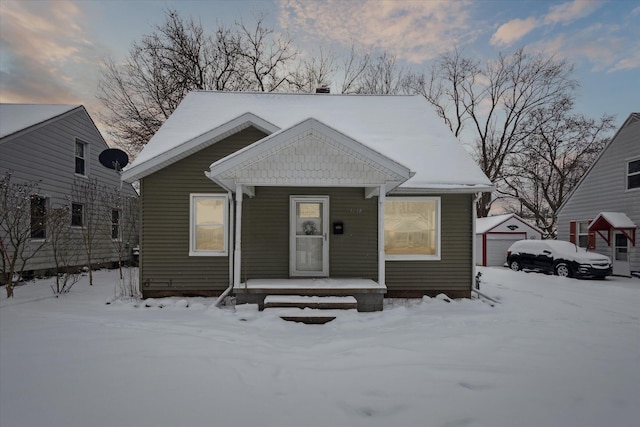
620,257
309,230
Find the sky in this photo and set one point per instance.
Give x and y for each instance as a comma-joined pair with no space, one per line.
51,50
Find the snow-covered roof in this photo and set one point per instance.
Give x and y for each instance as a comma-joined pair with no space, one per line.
403,128
16,117
488,223
614,219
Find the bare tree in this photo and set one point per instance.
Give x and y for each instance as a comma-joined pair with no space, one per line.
541,174
63,248
22,227
492,104
121,213
382,76
314,71
179,56
87,215
353,66
266,56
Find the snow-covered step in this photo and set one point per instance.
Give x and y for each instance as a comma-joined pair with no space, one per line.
308,315
317,302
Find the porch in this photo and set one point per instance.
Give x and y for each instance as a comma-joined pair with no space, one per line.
369,294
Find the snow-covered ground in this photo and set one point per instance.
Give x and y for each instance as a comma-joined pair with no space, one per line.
555,352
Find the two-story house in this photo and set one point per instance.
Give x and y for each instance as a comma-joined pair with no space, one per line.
603,211
58,147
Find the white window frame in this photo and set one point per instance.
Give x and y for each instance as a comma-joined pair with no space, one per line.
627,175
192,224
578,233
117,224
419,257
44,225
83,219
85,157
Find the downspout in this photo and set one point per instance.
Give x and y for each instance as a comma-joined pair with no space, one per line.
227,291
473,239
381,254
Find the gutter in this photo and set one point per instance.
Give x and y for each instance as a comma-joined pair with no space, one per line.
227,291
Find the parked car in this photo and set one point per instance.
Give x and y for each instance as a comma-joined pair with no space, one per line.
558,257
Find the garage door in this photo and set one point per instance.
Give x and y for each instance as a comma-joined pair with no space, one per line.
497,246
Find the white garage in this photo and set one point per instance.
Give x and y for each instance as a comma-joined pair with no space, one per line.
494,235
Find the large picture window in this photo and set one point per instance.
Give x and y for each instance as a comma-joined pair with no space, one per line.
208,225
412,228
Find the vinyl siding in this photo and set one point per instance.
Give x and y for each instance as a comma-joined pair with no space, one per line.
454,270
46,153
165,263
265,237
603,189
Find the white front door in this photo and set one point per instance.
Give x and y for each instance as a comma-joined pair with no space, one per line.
309,233
620,257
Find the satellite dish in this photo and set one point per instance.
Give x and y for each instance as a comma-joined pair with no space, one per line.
113,158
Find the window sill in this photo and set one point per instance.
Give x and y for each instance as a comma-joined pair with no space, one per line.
412,258
209,253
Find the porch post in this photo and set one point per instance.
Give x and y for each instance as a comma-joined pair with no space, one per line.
381,264
237,252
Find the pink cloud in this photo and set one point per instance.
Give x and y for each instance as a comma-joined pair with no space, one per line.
44,52
414,31
567,12
513,31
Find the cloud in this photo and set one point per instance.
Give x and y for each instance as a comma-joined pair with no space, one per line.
415,31
45,52
606,47
513,31
566,13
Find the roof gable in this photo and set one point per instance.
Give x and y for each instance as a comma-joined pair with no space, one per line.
310,154
630,124
490,223
147,164
17,117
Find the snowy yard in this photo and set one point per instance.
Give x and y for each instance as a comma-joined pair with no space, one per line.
555,352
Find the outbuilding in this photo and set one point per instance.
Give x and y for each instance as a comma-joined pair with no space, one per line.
494,235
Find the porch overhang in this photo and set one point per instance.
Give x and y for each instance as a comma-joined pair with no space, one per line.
309,154
613,221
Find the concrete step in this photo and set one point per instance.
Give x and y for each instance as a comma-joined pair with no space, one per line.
313,316
316,302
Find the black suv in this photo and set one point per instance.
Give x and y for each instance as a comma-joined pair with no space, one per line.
558,257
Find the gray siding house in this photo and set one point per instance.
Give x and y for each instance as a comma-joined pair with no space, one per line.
603,211
58,146
331,194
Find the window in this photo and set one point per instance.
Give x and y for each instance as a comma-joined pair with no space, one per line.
115,224
633,174
81,156
412,228
38,217
77,215
583,234
208,225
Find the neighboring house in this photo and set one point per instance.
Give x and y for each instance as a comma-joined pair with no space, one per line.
603,211
253,189
58,146
494,235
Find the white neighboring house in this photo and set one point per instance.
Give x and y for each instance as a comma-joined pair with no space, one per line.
58,146
603,211
494,235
